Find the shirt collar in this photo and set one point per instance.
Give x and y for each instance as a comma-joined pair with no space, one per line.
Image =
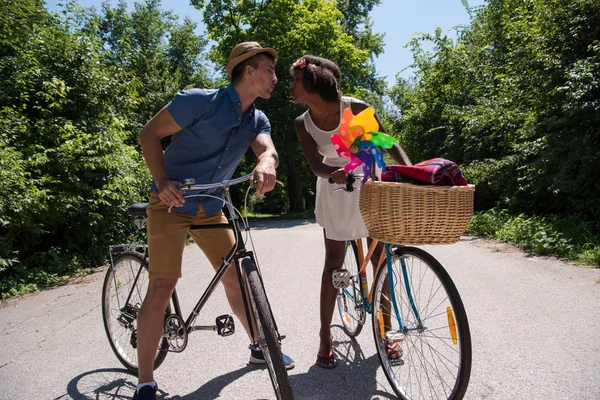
234,98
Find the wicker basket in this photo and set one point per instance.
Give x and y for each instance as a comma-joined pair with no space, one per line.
403,213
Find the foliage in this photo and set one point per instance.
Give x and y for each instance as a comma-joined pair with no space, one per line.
73,101
568,237
516,101
295,28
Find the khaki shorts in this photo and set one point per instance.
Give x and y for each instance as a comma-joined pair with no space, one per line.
167,234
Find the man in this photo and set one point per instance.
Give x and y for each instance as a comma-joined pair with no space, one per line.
211,129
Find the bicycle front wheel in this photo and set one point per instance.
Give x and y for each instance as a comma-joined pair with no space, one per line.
125,286
268,337
420,328
350,301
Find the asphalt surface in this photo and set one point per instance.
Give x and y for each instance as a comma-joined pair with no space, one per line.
535,325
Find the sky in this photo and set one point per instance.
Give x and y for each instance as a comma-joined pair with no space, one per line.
397,19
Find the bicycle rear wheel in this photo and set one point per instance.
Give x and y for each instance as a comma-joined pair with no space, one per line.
268,337
350,301
430,357
124,289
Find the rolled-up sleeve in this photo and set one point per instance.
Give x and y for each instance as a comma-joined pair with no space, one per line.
188,106
263,126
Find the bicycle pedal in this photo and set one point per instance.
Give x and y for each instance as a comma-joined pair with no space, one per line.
225,325
341,278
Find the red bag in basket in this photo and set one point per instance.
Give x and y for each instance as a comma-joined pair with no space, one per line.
437,171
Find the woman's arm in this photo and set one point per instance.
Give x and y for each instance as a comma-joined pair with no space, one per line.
396,152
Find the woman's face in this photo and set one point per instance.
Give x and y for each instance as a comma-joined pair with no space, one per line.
297,91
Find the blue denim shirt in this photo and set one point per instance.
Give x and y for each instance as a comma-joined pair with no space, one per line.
213,138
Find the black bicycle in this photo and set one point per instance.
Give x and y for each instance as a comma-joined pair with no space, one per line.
126,283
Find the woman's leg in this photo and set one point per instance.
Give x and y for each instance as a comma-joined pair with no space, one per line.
334,259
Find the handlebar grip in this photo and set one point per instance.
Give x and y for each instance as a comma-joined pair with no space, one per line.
350,179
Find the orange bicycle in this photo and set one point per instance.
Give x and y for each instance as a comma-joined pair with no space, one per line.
420,325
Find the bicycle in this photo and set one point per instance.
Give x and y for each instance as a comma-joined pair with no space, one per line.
125,286
420,325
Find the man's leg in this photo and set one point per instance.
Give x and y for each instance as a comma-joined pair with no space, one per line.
216,245
150,324
167,232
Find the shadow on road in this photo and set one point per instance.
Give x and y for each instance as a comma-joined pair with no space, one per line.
354,378
116,383
106,383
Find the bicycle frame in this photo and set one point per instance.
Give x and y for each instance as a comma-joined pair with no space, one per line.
367,294
237,253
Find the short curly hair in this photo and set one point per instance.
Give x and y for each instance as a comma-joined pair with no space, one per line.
320,75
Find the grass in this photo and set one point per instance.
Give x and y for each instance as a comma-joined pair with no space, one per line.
568,237
306,214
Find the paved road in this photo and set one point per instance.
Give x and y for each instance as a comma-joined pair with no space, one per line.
535,324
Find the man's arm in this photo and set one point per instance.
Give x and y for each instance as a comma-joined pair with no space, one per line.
264,173
160,126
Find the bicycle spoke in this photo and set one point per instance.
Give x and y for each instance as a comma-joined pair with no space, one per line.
435,362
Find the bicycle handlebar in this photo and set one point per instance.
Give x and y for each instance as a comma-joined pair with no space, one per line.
349,182
190,183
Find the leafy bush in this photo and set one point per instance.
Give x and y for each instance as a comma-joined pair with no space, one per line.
70,114
569,237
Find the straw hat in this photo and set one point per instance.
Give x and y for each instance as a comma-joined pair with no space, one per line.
245,50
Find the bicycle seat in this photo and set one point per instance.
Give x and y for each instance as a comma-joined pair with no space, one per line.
138,209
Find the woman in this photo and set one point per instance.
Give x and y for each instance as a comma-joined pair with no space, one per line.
317,84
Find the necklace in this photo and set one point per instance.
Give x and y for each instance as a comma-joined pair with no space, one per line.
321,120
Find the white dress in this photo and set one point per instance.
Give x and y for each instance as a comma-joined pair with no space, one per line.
338,212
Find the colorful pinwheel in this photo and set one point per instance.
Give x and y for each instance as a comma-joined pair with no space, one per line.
359,141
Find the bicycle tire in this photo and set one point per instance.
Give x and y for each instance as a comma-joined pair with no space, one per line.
436,355
123,339
350,301
268,337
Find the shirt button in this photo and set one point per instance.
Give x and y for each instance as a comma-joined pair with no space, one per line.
219,167
239,118
227,148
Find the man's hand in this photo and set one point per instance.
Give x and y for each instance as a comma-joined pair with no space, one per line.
169,193
339,176
264,175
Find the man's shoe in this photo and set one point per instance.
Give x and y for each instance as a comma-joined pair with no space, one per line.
257,357
146,393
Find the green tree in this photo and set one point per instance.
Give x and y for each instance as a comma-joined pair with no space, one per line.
67,177
515,100
77,87
293,28
164,56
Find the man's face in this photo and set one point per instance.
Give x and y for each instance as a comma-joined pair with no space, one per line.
264,78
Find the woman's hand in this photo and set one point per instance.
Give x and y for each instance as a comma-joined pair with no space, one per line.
339,176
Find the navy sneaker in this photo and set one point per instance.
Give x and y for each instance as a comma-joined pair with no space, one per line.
146,393
257,357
